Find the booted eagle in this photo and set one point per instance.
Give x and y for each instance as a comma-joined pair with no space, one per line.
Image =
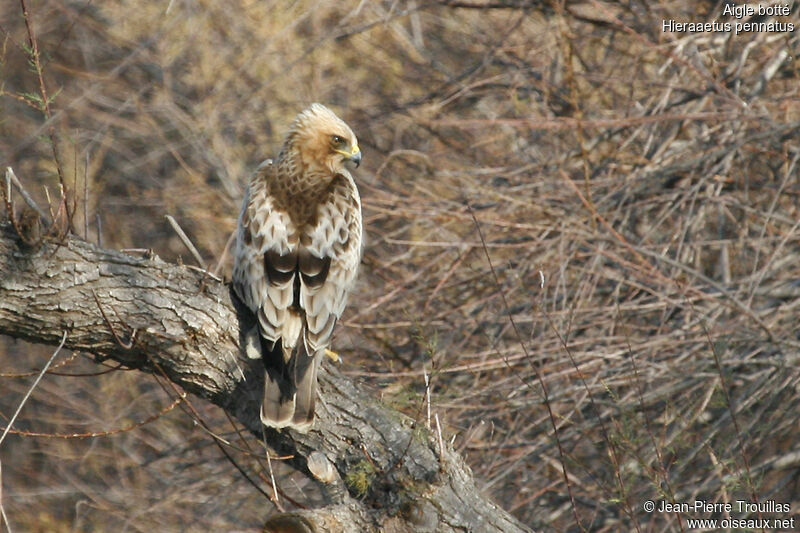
298,246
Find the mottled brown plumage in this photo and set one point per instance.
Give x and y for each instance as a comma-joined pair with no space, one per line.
298,245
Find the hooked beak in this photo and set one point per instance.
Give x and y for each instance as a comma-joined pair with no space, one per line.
355,157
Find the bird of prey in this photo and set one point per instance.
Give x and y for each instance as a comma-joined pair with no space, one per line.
298,246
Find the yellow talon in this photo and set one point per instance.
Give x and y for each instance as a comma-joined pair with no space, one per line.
333,355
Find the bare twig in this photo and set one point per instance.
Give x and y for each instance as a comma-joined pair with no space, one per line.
32,387
439,437
427,395
186,242
99,224
45,108
2,509
275,498
86,197
104,433
25,196
131,341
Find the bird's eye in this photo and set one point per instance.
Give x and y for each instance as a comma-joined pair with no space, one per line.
338,142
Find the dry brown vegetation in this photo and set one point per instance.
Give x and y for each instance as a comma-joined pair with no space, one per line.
635,336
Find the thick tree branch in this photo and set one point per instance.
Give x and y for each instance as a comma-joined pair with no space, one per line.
180,320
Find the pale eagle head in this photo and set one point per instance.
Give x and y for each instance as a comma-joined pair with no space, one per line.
319,142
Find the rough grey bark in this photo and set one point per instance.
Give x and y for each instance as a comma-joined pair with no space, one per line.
388,472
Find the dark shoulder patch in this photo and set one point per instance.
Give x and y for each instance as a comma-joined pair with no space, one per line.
279,268
313,269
